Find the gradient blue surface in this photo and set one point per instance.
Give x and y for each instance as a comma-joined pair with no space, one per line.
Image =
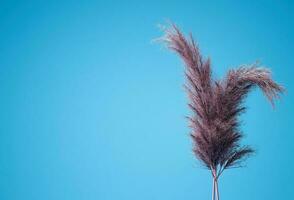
92,109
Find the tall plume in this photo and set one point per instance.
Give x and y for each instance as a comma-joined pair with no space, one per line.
217,104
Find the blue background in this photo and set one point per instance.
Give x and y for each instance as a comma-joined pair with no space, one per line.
91,108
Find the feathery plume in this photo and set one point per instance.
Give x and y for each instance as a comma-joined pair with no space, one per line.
217,104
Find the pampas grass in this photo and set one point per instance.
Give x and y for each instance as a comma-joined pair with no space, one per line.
217,104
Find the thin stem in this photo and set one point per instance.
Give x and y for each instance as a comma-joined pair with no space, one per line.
220,171
213,173
213,189
216,188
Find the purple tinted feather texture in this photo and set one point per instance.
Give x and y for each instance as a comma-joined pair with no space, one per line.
217,104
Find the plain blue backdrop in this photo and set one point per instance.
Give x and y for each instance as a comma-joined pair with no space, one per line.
91,108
